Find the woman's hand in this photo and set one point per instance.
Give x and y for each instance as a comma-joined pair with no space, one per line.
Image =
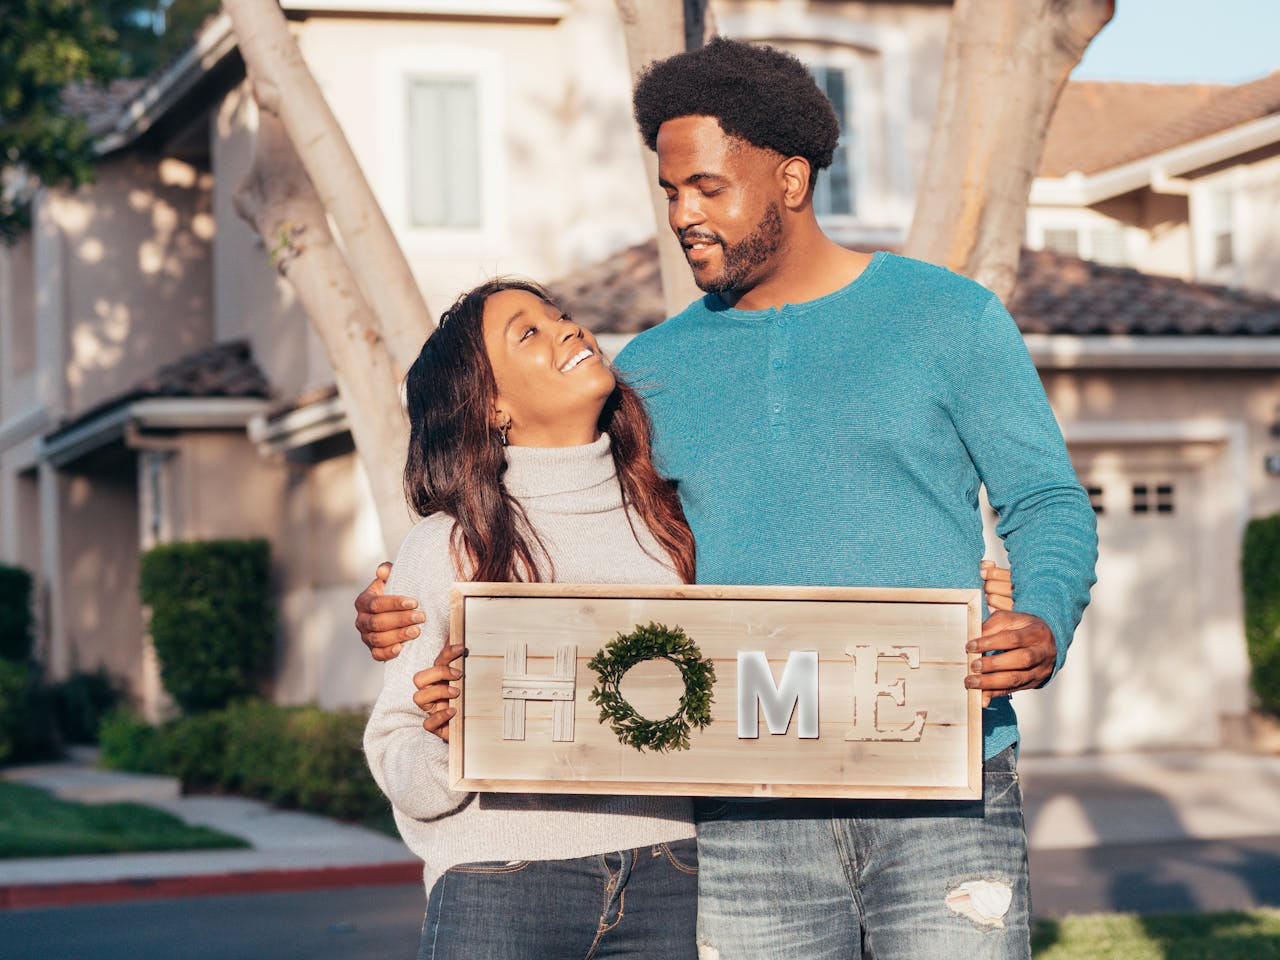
997,584
435,691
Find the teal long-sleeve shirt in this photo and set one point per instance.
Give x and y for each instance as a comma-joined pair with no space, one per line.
843,441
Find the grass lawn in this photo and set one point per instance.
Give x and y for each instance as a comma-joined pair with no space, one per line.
34,823
1254,935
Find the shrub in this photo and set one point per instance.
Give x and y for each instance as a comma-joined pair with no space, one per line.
28,731
16,633
301,757
13,686
127,742
82,700
211,618
1261,575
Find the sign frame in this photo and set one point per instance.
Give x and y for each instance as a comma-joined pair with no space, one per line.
965,783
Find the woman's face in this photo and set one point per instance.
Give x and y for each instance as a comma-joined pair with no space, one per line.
552,380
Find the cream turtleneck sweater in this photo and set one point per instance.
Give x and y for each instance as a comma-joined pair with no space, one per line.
572,498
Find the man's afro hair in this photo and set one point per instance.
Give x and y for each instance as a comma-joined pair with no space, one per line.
758,93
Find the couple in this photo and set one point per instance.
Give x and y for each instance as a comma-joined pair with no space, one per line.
826,417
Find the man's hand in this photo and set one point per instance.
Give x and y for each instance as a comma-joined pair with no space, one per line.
1025,661
434,691
386,623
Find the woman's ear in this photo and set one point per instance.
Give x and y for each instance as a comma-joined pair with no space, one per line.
500,421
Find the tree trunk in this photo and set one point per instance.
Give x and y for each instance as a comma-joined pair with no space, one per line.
284,85
656,29
1006,63
278,199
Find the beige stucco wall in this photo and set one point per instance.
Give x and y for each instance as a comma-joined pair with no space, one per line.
567,184
220,488
1248,398
327,552
1258,209
17,318
250,299
135,270
97,589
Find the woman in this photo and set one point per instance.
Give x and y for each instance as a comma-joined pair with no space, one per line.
528,460
523,450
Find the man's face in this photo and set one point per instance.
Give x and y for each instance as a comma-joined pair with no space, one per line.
720,202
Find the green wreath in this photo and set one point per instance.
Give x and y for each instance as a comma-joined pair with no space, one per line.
651,643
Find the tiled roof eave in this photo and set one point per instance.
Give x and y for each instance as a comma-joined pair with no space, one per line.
1059,351
84,435
1078,189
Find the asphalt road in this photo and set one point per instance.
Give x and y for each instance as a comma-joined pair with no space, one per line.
382,923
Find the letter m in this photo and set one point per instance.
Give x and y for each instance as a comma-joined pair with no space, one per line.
798,693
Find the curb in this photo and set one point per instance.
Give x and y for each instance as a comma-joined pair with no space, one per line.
164,888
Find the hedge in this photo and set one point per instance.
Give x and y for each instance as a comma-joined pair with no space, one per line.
28,727
16,627
296,757
212,620
1261,575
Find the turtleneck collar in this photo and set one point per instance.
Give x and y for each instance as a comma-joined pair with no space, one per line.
564,479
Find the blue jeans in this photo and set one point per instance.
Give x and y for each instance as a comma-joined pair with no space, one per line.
637,904
889,880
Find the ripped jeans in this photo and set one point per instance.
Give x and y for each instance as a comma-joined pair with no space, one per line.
851,880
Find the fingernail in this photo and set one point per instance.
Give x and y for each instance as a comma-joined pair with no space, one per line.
976,665
413,631
408,604
397,648
970,682
453,691
455,673
971,646
419,617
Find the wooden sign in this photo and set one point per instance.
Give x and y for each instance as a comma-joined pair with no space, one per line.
817,691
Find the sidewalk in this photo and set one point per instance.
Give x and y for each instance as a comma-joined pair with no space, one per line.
290,850
1072,803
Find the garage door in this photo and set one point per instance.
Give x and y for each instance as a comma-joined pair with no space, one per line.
1136,676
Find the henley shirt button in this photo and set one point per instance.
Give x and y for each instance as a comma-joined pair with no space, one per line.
777,364
777,408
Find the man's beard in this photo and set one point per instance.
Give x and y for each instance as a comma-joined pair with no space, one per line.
744,257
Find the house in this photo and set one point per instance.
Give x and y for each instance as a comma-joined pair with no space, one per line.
158,380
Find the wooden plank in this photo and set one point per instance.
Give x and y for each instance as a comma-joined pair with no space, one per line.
894,717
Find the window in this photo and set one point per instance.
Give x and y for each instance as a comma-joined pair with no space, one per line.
1222,220
1062,240
1153,497
1095,499
440,114
443,142
1105,244
836,191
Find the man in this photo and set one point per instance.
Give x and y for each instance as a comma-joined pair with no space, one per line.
829,417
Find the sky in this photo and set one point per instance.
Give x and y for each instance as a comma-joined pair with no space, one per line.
1171,41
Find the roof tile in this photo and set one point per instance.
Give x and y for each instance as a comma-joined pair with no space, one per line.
1056,294
1097,125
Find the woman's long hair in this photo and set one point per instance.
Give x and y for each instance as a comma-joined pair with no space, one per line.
456,460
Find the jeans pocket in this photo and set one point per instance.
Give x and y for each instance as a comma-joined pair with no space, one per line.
683,854
490,867
1000,774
